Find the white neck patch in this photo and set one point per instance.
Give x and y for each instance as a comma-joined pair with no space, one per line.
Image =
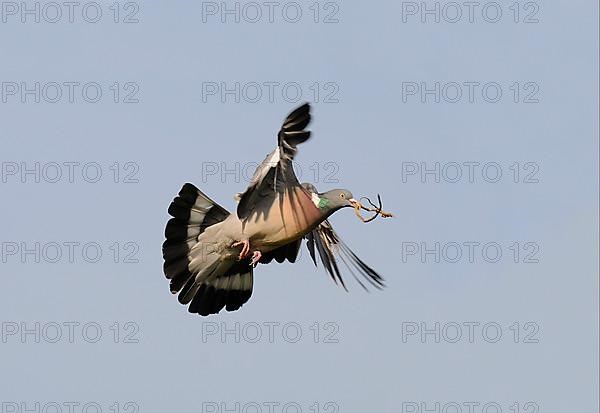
316,199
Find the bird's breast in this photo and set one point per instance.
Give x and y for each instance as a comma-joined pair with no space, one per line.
291,216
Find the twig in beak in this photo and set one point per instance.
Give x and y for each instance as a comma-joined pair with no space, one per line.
377,209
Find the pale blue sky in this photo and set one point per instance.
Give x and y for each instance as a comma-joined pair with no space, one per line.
368,134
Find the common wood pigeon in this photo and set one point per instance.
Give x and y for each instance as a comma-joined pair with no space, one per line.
210,253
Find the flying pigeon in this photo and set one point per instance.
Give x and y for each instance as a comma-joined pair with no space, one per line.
210,253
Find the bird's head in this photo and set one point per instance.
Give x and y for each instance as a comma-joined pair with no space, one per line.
333,200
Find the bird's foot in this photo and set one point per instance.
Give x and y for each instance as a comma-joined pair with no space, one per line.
245,248
256,256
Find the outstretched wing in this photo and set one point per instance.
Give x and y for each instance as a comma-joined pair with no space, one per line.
275,174
330,246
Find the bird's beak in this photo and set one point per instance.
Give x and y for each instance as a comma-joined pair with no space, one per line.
353,203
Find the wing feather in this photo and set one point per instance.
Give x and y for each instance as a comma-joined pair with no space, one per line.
329,246
276,174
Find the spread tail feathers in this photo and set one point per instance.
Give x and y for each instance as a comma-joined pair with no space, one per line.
203,280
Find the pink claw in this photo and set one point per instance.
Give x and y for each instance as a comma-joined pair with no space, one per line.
256,256
245,248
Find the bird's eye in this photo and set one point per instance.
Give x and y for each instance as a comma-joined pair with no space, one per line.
342,196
